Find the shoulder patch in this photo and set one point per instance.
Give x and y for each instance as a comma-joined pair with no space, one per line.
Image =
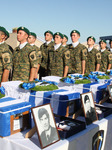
98,56
84,51
110,56
33,56
67,54
6,57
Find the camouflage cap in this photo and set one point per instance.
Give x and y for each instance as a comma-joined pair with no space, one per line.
23,29
91,38
48,32
58,33
33,34
65,36
74,31
103,41
5,31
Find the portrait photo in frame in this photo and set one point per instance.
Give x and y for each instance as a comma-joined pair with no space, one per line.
45,125
89,107
109,87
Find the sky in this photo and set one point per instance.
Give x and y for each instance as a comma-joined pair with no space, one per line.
89,17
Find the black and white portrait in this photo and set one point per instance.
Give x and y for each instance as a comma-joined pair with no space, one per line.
45,124
110,90
89,108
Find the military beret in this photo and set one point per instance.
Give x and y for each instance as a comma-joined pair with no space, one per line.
65,36
91,38
23,29
58,33
74,31
5,31
48,32
33,34
103,41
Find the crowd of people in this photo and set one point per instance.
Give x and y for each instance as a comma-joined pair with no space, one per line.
54,57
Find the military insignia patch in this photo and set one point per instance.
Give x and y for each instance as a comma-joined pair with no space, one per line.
67,54
84,52
98,55
110,57
6,58
33,56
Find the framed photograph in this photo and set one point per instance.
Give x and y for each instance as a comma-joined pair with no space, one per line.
45,125
89,107
109,87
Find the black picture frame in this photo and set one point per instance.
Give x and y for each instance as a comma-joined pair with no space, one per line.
109,88
45,125
89,107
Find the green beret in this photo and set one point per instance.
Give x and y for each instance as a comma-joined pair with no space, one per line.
48,32
58,33
74,31
65,36
103,41
33,34
23,29
91,38
5,31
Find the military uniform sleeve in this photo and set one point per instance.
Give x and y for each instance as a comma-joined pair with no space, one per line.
110,58
39,56
7,60
98,58
66,57
84,54
33,59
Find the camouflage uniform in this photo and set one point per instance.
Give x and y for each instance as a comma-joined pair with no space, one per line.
106,59
58,59
39,55
77,54
93,58
5,59
44,64
24,59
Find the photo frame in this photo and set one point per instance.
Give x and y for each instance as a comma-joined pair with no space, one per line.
89,107
109,87
45,125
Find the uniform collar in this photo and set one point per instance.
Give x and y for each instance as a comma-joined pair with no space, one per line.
32,44
1,42
56,46
111,49
75,44
90,49
22,45
63,45
47,42
102,50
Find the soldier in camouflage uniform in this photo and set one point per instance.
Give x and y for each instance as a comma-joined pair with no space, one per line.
59,57
31,40
24,58
110,42
64,41
78,54
5,56
106,57
44,50
93,56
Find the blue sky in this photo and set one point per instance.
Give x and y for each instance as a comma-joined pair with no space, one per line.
90,17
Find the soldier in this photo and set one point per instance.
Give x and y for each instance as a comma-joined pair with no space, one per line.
59,57
78,54
106,57
24,58
64,41
5,56
93,56
110,42
31,40
44,50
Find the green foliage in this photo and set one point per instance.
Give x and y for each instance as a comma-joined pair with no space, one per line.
1,95
103,77
84,81
50,87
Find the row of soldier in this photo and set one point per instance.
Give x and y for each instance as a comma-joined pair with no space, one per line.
54,58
